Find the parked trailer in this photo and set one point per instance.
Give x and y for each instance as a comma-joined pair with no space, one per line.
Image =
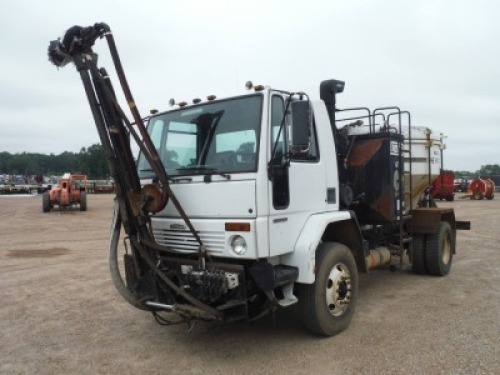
100,187
23,189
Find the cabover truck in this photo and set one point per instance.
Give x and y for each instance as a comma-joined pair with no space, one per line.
244,205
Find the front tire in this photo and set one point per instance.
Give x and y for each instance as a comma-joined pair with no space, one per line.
439,250
328,305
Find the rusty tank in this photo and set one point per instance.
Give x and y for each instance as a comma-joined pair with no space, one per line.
481,189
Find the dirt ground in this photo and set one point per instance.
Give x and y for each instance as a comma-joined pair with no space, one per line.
60,314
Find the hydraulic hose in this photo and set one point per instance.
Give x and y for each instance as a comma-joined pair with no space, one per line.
116,277
120,284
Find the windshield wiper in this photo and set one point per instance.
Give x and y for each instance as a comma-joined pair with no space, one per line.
205,169
153,176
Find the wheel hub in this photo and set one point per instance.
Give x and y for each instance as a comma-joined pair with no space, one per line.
338,289
446,250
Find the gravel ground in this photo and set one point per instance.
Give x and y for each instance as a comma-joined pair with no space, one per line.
60,314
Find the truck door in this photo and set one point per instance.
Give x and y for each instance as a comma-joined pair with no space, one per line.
297,180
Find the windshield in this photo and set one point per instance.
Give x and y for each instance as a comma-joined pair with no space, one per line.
216,137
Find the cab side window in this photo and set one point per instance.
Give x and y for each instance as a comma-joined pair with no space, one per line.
279,152
278,135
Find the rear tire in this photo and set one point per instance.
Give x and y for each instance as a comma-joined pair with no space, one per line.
83,201
418,264
328,305
439,250
46,202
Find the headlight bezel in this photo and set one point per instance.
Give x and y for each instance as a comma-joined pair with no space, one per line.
238,244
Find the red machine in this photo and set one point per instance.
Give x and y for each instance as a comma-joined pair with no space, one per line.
480,189
69,192
443,187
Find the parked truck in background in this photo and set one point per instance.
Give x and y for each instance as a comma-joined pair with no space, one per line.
244,205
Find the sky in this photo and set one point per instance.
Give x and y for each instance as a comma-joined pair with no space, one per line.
438,59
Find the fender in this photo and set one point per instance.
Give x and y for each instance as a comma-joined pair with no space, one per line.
304,255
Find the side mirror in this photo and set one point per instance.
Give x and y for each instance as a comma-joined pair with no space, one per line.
301,126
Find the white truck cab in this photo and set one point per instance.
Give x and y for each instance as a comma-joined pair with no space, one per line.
251,189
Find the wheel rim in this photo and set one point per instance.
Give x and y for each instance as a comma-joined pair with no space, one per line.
446,249
338,289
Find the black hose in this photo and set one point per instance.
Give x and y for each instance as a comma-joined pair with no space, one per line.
116,277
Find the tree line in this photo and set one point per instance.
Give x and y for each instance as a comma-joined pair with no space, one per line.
484,171
89,161
92,162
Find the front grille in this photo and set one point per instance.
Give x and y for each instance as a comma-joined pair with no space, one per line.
184,241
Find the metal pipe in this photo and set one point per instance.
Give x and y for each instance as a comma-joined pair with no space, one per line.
160,305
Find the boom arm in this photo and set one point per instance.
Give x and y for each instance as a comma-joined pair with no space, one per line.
136,204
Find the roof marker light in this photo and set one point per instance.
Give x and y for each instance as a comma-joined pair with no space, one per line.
172,102
249,86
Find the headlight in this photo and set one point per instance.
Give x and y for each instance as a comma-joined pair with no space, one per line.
239,245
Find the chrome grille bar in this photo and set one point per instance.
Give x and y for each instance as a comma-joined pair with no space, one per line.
184,241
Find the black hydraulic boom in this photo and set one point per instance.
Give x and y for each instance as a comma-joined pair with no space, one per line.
135,203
